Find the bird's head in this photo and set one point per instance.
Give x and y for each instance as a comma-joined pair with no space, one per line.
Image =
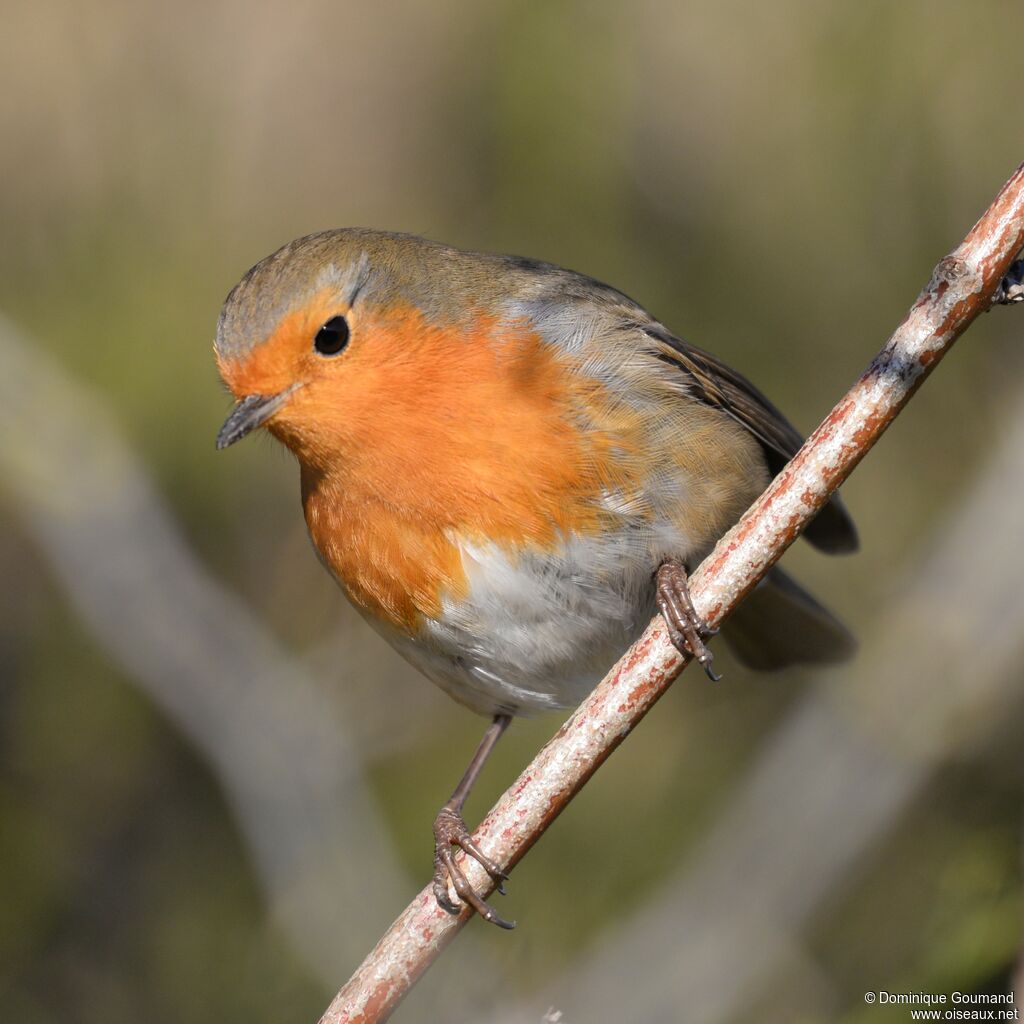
334,332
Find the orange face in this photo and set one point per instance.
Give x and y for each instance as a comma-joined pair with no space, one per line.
416,432
287,364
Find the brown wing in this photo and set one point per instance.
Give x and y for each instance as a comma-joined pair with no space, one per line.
721,386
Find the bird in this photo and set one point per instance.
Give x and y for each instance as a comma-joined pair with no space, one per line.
509,467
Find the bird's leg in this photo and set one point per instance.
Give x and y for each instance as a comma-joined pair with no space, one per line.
450,831
686,629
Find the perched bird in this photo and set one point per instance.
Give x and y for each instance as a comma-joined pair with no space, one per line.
509,468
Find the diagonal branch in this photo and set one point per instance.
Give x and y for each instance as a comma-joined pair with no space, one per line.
962,286
828,788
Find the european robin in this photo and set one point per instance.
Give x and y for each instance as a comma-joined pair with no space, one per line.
508,467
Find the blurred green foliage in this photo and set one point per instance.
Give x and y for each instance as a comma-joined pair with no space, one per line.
774,181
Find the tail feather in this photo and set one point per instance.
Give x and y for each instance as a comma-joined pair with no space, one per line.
832,530
780,624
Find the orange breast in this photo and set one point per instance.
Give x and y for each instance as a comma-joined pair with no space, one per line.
435,433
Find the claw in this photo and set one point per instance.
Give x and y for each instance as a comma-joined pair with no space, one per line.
715,677
444,901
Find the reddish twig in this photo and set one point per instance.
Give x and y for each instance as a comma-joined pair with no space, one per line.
961,287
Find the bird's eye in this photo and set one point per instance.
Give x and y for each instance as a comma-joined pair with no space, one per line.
332,337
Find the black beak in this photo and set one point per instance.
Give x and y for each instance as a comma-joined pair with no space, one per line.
251,412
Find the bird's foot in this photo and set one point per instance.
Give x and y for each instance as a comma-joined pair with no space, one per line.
686,629
450,831
1011,288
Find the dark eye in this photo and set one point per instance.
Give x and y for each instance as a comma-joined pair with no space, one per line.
332,337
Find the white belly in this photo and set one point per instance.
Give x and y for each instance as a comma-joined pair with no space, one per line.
537,632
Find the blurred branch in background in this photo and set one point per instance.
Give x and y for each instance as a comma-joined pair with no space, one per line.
831,782
257,716
963,285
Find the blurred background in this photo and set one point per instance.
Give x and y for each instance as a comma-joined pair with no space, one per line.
216,785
